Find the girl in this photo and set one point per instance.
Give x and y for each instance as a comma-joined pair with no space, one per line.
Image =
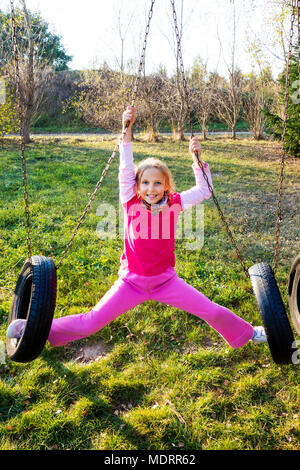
151,209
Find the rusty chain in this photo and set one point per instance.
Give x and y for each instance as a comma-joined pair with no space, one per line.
142,59
187,100
285,118
134,93
21,120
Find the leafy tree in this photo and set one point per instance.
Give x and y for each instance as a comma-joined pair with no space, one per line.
40,54
47,45
275,119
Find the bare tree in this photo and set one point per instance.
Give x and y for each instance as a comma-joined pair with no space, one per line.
101,97
177,103
202,93
259,93
119,28
60,89
174,106
228,99
153,99
33,78
122,29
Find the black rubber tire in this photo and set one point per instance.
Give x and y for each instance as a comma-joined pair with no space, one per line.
272,311
294,294
34,300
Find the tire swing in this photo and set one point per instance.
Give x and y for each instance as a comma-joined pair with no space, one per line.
294,293
272,312
267,295
34,300
34,297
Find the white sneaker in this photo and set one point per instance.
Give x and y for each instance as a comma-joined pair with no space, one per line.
259,335
16,328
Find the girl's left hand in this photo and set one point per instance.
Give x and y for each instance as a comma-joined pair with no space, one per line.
195,147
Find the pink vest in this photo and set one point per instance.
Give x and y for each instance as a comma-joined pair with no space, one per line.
149,240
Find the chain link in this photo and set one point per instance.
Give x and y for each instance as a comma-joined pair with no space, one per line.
181,66
285,118
21,119
134,93
187,100
142,59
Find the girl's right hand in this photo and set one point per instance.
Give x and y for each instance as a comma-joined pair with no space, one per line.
195,148
128,117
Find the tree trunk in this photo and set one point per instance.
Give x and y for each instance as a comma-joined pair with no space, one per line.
152,135
173,129
258,135
180,132
204,130
26,131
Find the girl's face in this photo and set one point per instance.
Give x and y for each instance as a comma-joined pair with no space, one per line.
152,185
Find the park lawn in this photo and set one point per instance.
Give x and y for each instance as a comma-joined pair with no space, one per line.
156,377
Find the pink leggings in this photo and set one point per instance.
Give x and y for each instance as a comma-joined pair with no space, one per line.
132,289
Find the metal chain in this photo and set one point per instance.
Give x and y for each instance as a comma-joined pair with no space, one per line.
134,93
285,118
142,59
186,92
89,204
21,119
184,82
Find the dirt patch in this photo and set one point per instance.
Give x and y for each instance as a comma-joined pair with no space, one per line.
90,352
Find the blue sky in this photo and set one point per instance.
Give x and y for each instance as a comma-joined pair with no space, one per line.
89,31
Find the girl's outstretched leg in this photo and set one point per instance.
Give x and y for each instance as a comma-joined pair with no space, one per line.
120,298
180,294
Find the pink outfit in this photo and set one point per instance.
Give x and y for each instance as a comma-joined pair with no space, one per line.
149,240
147,267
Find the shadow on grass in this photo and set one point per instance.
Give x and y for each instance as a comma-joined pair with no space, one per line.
104,413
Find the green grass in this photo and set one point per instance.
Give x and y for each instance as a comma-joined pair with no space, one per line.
164,379
75,126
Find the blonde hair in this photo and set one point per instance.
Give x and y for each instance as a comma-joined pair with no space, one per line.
155,163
